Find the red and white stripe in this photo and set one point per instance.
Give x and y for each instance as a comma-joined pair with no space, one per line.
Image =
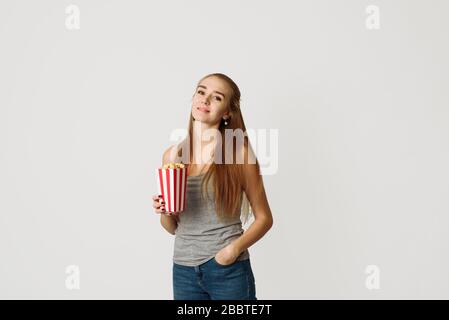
172,185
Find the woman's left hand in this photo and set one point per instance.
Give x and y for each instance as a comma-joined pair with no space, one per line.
227,255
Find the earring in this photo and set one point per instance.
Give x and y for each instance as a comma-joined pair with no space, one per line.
226,122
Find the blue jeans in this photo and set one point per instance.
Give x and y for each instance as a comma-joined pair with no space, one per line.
214,281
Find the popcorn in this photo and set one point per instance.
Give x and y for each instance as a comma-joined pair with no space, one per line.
172,183
174,165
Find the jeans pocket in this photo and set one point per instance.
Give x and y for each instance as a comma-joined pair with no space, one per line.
223,265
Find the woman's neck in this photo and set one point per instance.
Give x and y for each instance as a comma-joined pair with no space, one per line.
204,141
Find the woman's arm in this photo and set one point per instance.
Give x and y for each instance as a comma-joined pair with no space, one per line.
263,219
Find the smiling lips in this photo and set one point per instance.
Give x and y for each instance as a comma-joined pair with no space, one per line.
203,109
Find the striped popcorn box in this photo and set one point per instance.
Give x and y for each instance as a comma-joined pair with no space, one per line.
172,184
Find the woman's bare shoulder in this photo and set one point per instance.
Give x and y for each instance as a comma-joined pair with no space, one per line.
170,154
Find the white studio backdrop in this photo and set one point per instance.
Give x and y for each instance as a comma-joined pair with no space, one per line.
90,92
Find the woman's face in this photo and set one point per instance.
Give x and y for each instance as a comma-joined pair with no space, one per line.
210,101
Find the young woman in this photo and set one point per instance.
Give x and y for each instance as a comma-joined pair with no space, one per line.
211,258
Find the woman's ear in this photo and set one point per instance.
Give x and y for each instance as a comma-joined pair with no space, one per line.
227,115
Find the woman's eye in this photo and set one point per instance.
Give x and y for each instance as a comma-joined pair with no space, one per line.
202,92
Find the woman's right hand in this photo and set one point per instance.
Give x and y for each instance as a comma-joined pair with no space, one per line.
159,206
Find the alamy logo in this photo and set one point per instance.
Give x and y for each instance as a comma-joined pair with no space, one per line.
266,147
372,21
372,281
72,21
72,281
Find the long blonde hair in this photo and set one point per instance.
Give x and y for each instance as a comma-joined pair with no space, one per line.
228,179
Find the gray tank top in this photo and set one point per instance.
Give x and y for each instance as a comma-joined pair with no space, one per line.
200,235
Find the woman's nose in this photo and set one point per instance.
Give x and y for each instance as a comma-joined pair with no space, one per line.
206,100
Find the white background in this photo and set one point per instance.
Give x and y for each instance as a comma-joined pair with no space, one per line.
362,116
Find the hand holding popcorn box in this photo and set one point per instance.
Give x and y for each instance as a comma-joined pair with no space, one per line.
172,183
